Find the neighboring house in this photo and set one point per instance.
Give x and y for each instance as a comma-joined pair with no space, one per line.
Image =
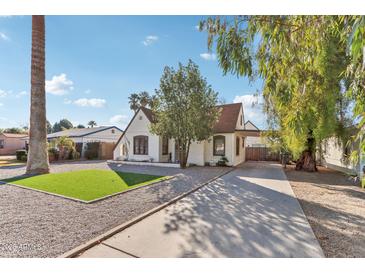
137,143
254,141
333,155
10,143
82,136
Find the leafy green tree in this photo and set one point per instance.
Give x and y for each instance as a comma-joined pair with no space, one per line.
49,127
80,126
63,124
15,130
141,99
301,60
355,73
144,98
184,108
134,102
91,123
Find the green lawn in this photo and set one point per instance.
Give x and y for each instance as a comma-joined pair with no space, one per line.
86,185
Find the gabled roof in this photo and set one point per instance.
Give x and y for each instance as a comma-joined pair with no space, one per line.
252,124
148,112
14,135
228,118
80,132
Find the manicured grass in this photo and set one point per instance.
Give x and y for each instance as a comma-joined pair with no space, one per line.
86,185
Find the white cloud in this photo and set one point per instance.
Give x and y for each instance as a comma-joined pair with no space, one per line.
20,94
67,101
118,119
252,108
88,91
92,102
4,37
5,93
59,85
208,56
149,40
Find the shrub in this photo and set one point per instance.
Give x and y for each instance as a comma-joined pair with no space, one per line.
53,154
24,158
222,161
73,154
20,153
92,151
363,183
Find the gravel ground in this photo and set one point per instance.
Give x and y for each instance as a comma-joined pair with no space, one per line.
34,224
335,209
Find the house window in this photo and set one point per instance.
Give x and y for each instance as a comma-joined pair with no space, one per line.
165,146
219,145
2,143
237,146
140,145
113,131
243,142
241,120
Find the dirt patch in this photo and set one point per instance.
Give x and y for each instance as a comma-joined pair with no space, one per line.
335,209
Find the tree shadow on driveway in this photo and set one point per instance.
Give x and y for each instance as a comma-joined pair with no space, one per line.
235,217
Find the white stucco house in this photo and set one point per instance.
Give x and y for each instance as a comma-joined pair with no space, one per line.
137,143
333,155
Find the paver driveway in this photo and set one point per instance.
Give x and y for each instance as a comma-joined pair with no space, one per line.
250,212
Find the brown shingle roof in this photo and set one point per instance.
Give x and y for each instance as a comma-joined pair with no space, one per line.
226,122
148,112
228,118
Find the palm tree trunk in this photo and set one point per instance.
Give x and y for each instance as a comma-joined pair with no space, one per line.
38,155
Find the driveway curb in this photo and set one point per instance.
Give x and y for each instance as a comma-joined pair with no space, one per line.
81,248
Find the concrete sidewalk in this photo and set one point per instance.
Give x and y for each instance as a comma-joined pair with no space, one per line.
250,212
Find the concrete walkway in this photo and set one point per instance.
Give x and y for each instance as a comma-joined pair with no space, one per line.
250,212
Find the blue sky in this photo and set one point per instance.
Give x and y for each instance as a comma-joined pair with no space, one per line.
93,63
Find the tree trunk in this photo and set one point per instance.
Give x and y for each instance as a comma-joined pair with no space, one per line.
184,154
307,160
38,162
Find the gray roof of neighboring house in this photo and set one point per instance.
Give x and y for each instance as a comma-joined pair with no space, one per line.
13,135
80,132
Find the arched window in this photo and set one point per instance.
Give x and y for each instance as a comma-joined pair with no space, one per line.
140,145
219,145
